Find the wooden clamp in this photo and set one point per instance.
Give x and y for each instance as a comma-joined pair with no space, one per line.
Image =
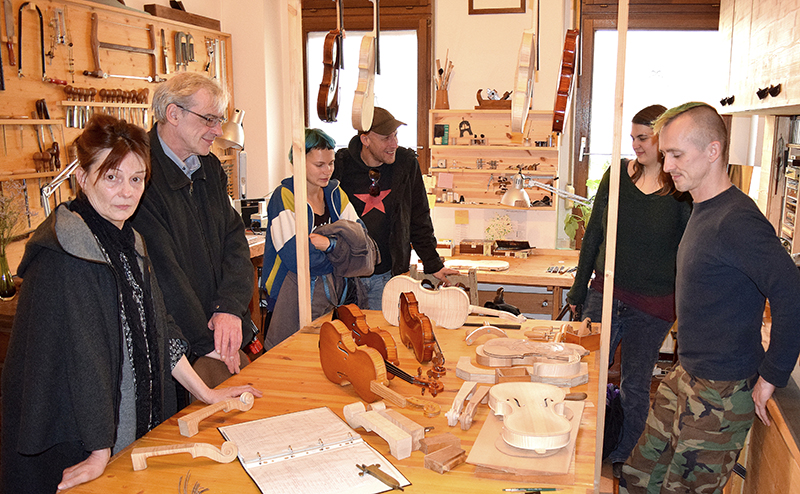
188,424
458,403
399,440
225,454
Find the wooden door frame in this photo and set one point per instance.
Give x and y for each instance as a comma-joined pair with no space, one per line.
416,18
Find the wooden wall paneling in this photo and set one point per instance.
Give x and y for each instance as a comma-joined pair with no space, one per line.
117,26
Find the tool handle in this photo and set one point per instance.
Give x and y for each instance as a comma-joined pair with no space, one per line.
60,82
12,60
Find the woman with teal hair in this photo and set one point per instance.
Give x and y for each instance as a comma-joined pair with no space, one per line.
339,245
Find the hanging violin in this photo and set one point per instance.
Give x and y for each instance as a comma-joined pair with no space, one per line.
333,61
565,80
368,66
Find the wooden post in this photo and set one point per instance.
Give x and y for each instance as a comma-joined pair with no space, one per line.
611,238
297,98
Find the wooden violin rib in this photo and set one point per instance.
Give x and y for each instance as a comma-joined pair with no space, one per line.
533,415
225,454
188,424
448,307
473,334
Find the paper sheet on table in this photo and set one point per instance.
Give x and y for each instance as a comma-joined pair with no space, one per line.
311,451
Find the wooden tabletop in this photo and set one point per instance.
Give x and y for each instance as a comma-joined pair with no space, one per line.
291,379
531,271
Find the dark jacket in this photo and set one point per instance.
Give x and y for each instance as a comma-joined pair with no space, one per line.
197,244
61,378
411,218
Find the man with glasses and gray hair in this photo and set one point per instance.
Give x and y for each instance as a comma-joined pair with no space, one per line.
384,183
194,236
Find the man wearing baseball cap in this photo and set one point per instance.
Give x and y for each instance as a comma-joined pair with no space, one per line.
385,185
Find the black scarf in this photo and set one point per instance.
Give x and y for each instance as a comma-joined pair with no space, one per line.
137,312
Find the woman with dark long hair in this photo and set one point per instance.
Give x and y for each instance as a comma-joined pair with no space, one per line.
652,217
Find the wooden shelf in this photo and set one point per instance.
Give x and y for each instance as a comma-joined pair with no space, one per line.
489,147
533,173
26,176
475,205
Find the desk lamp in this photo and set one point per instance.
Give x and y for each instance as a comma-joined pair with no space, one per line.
233,138
517,193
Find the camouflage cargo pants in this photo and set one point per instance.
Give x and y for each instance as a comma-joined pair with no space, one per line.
693,436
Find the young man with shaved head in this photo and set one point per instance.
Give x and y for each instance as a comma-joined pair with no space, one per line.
729,262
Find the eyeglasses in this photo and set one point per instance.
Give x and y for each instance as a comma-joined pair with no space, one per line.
211,121
374,186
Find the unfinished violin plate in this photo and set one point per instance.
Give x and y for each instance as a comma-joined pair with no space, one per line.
533,415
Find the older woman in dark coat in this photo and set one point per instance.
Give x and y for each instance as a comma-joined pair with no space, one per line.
92,353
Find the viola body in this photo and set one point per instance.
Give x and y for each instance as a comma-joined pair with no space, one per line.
345,362
533,415
328,96
448,307
379,339
523,85
364,97
565,80
416,331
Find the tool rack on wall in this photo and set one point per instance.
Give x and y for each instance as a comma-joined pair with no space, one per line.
78,58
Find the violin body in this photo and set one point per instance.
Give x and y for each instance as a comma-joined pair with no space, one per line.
523,82
379,339
328,96
549,360
416,331
364,97
448,306
344,362
533,415
368,66
565,80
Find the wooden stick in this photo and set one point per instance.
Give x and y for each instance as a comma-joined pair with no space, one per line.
611,233
387,394
188,424
225,454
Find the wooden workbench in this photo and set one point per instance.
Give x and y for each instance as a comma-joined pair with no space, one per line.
291,379
530,272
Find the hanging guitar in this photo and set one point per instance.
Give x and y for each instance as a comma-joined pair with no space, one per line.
333,61
565,80
368,66
345,362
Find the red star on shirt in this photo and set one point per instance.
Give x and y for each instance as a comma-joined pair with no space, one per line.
373,202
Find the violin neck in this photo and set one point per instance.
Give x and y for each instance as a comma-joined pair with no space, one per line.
398,372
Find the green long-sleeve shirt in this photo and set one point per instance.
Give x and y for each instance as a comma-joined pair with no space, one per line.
649,230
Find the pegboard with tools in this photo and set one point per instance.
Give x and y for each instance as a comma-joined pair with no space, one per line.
61,61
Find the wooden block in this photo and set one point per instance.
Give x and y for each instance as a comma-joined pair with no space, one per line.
399,441
416,431
467,371
512,374
182,16
445,459
434,443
